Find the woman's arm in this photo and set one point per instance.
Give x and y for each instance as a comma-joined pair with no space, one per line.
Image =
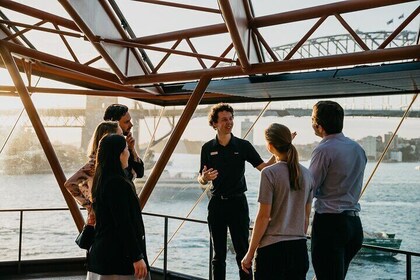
77,184
308,208
261,223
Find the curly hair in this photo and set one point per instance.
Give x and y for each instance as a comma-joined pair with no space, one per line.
214,111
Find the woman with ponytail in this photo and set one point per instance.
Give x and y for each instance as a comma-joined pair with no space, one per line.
285,198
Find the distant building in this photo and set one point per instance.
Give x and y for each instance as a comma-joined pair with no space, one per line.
396,156
369,145
394,143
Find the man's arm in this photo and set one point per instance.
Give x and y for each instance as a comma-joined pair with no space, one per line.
134,161
318,168
271,161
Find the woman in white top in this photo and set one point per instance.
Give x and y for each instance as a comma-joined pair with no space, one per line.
285,197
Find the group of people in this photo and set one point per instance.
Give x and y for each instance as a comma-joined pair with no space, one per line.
278,243
104,186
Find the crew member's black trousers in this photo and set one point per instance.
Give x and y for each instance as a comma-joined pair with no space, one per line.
336,239
232,213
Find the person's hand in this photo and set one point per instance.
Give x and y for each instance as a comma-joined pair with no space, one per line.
246,263
130,141
209,174
294,133
91,220
140,269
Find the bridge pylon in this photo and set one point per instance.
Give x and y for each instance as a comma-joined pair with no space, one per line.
95,109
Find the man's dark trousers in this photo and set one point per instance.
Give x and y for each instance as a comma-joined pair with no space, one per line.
233,213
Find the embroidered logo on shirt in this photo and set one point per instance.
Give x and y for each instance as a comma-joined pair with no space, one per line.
214,153
236,153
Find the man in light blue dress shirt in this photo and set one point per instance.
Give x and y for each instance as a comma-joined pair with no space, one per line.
337,165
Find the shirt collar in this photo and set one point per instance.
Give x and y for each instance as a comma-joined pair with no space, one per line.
332,136
232,141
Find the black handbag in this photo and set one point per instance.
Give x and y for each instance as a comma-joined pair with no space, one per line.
85,238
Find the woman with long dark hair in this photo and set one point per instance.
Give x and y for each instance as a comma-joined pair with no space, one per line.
119,249
285,198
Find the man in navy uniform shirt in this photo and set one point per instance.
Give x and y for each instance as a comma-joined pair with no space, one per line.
223,163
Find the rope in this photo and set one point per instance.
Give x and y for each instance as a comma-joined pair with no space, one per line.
183,222
154,132
11,131
388,144
16,122
205,191
258,117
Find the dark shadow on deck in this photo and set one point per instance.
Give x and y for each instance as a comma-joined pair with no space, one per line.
65,269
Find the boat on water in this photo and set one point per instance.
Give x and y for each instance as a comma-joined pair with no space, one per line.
417,167
224,53
381,239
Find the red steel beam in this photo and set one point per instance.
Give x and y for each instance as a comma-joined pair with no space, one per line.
40,14
173,139
183,34
157,67
305,37
92,38
58,61
232,26
132,44
322,10
39,28
11,91
182,6
400,28
352,32
42,135
117,24
20,32
357,58
70,77
264,21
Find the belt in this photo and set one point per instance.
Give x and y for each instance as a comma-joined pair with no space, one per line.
351,213
228,197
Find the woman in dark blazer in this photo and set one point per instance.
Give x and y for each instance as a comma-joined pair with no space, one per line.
119,249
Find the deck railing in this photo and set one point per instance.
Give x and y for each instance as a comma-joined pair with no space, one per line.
408,254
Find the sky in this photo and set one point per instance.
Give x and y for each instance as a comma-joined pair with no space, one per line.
145,19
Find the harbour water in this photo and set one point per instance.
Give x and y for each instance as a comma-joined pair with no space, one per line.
390,204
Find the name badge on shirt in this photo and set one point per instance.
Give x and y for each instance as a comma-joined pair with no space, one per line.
214,153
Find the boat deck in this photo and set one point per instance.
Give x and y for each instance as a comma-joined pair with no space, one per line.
48,276
66,269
